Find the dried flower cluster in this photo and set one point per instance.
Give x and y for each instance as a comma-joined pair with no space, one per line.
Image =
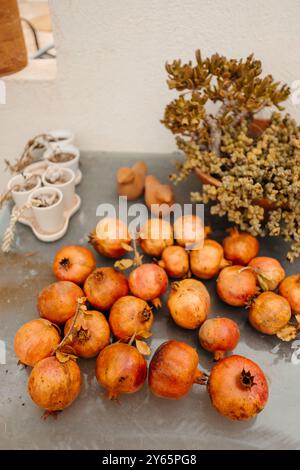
244,175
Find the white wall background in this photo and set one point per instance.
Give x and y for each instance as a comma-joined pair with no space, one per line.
110,85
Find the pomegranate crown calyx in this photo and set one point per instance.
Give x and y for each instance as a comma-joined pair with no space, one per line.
246,379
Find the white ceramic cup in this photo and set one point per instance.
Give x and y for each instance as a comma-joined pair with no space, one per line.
72,164
21,197
67,188
65,137
49,219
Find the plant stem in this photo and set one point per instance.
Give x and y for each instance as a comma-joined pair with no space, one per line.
79,307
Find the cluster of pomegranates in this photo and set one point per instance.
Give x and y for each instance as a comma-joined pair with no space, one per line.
98,312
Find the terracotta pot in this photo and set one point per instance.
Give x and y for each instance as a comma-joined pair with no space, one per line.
13,55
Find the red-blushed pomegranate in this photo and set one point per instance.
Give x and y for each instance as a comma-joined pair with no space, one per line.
35,340
174,369
219,335
290,289
238,388
240,247
57,302
236,285
207,261
188,303
175,261
104,286
120,368
73,263
148,282
269,313
269,272
54,385
111,238
155,235
90,335
189,231
130,316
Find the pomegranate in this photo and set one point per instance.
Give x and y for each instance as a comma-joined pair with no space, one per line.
120,368
73,263
188,303
90,335
290,289
219,335
35,340
57,302
189,231
174,369
130,316
236,285
155,235
111,238
54,385
269,313
175,261
148,282
104,286
207,261
238,388
240,247
269,272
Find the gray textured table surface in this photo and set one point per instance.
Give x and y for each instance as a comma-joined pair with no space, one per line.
140,420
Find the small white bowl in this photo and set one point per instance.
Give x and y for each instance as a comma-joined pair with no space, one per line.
66,137
67,188
72,164
21,197
49,219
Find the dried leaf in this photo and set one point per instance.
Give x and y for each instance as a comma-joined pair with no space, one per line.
126,246
142,347
262,280
138,259
287,333
123,264
145,334
64,357
297,317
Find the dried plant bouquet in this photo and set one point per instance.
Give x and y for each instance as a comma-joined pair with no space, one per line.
250,168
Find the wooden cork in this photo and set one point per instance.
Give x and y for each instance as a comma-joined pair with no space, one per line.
13,55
